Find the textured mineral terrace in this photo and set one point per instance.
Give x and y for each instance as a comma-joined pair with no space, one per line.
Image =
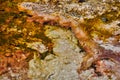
69,40
96,26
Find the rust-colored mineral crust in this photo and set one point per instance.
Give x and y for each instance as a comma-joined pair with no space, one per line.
14,61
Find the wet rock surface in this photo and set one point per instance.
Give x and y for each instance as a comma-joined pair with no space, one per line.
65,59
85,48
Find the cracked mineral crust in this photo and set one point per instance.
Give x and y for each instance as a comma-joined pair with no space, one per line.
83,36
94,23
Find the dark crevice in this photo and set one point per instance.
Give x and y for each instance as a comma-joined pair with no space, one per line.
94,67
81,1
